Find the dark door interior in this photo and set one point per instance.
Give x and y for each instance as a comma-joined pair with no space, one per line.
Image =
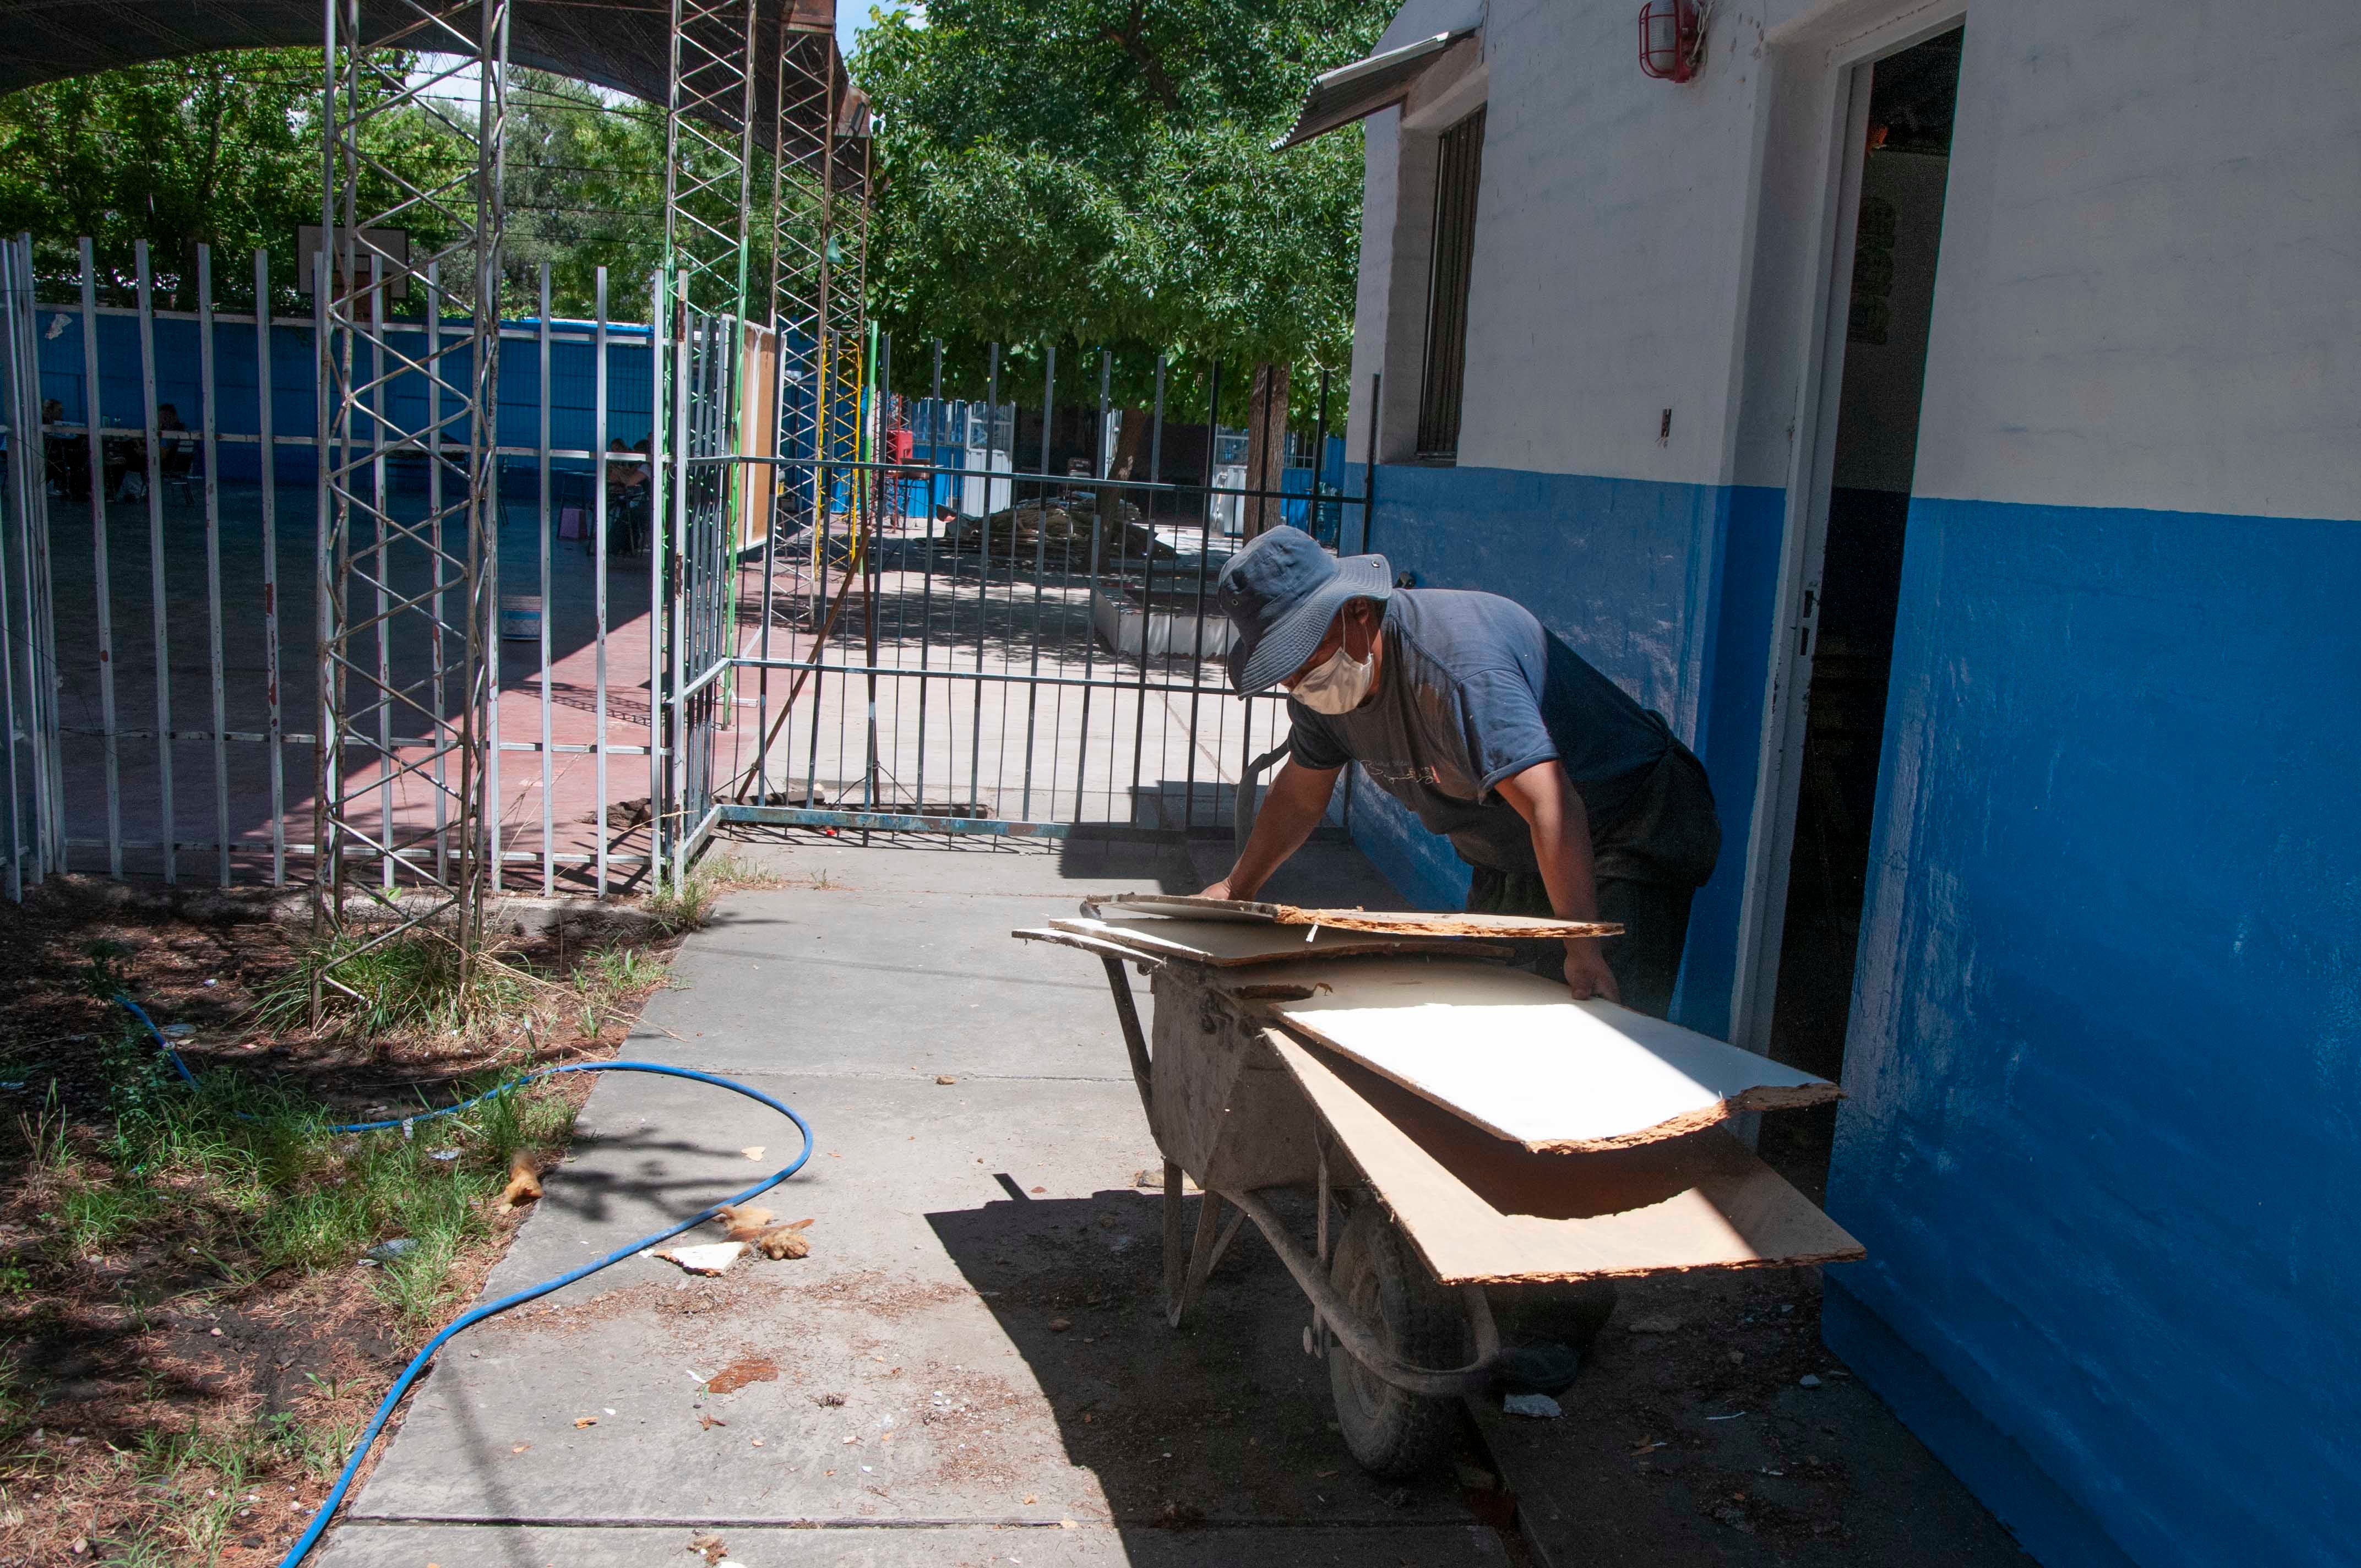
1900,225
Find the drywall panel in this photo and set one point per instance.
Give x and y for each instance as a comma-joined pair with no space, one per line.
1481,1211
1512,1053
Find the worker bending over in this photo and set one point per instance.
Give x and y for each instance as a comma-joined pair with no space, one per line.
1567,798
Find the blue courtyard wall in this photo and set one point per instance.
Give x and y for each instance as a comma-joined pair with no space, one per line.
572,385
1667,589
2104,1070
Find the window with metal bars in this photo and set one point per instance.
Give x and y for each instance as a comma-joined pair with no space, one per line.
1459,168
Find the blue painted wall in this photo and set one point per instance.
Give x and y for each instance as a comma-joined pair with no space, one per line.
572,385
1667,589
2105,1061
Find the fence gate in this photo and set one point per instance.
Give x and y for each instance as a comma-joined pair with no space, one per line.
957,636
701,499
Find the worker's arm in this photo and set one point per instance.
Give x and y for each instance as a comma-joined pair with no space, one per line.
1298,799
1545,798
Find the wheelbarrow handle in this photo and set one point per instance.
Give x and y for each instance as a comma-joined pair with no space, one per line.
1474,1378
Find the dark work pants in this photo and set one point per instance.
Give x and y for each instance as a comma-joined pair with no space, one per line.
1645,961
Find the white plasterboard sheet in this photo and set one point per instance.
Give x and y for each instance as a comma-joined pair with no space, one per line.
1512,1053
1481,1208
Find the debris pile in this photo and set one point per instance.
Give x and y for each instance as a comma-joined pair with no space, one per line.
1058,530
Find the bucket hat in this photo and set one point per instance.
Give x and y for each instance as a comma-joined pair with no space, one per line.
1280,592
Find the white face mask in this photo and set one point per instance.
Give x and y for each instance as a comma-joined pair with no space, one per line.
1339,683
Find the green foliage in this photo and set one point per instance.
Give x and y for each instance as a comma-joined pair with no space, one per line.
104,976
685,905
609,978
414,984
254,1170
139,1078
585,187
1097,172
221,149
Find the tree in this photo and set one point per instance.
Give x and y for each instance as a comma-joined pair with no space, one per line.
221,149
1097,173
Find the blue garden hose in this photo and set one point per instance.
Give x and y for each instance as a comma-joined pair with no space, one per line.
336,1497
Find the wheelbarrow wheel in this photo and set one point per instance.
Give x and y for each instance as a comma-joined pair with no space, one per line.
1393,1434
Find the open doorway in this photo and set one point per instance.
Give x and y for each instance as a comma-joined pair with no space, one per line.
1849,624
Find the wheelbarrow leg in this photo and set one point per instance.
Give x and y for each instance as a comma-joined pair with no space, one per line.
1212,1239
1176,1247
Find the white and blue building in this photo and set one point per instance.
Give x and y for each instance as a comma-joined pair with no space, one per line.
1949,416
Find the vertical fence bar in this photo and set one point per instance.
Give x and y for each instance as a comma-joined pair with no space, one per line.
548,603
598,568
1368,467
1101,515
159,607
1040,565
101,592
872,495
381,551
1319,466
438,630
659,336
29,489
213,557
1197,623
494,522
326,752
983,570
675,772
1147,586
274,730
927,590
38,589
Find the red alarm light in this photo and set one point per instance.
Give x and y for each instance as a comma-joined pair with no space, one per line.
1672,39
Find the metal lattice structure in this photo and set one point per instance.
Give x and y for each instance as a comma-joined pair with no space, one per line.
404,597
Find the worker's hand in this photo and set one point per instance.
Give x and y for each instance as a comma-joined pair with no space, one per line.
1218,890
1587,974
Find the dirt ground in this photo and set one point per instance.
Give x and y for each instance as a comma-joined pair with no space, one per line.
159,1402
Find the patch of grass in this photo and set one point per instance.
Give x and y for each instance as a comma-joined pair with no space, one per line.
257,1177
204,1471
685,905
414,984
609,978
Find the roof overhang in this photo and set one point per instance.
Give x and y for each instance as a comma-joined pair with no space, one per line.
1355,92
625,45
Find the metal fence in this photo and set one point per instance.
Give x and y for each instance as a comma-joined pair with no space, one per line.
861,620
1048,658
198,601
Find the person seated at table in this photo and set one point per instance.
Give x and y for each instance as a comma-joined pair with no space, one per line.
175,454
67,457
627,498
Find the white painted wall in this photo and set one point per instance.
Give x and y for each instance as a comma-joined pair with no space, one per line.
2151,284
2150,288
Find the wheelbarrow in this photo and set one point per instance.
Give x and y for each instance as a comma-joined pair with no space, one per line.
1400,1310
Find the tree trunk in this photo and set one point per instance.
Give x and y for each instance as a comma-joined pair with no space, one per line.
1130,453
1266,446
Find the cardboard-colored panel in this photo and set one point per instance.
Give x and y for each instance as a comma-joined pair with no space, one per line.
1229,943
1393,922
1484,1211
1512,1053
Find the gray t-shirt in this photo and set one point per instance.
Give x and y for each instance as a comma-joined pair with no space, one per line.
1474,690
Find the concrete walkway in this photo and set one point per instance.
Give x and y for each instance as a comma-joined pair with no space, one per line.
923,1407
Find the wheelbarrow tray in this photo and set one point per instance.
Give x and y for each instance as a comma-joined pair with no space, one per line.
1482,1211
